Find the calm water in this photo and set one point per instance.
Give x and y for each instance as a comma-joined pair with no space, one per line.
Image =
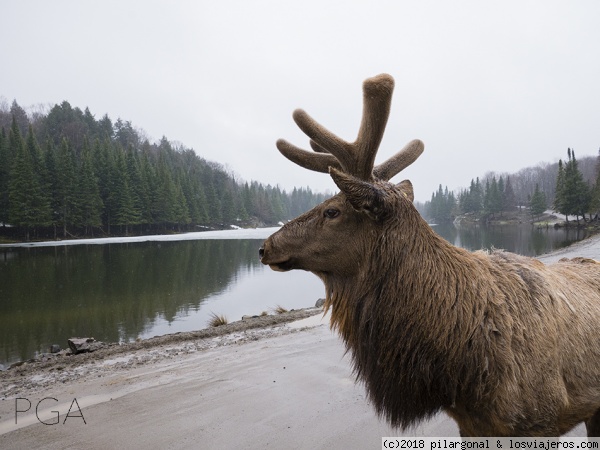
522,239
122,291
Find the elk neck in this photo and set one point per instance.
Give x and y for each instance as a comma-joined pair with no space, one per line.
414,309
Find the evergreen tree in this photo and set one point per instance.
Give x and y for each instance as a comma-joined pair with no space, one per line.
181,212
501,188
477,196
103,169
51,182
248,199
559,198
40,201
165,195
104,129
65,186
510,200
140,189
487,198
90,123
20,117
595,194
228,211
89,200
21,190
538,202
573,192
213,202
277,206
146,188
125,213
5,166
492,198
241,205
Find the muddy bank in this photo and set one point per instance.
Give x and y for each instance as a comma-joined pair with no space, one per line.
65,362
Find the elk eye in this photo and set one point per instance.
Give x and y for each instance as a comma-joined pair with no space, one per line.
332,213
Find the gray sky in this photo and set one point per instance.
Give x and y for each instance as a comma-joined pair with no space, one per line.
486,85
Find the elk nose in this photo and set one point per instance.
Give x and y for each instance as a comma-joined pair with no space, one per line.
261,252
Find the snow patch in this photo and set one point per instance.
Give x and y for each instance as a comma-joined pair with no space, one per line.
237,233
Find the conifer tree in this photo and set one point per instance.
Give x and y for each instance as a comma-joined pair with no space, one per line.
559,197
140,190
576,194
538,202
21,190
125,213
50,162
277,207
487,198
65,186
165,195
501,188
595,195
510,201
89,200
41,199
19,115
181,212
228,211
572,192
5,165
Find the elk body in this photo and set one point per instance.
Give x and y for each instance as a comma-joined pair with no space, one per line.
505,345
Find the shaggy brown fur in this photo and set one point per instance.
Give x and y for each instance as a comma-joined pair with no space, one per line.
504,344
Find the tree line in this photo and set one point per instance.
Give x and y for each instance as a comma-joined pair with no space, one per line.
65,173
563,187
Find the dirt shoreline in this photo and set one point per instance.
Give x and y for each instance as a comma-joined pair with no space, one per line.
64,364
280,381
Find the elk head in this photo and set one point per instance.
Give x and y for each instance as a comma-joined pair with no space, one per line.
332,237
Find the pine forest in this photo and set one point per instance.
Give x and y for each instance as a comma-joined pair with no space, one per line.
64,174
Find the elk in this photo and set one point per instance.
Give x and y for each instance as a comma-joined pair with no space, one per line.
502,343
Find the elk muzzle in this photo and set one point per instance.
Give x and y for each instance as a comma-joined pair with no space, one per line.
269,257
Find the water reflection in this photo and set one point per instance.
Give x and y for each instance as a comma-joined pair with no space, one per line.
523,239
119,292
122,291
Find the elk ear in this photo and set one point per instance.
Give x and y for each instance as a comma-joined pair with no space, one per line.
362,195
406,188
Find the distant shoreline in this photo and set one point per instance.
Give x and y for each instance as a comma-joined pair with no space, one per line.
240,233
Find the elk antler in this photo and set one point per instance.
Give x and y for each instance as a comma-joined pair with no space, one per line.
356,158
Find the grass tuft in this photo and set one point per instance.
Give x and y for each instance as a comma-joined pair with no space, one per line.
217,320
279,310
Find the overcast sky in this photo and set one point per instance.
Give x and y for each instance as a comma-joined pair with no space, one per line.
486,85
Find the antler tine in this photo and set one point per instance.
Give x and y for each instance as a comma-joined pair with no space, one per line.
319,162
377,99
400,161
325,139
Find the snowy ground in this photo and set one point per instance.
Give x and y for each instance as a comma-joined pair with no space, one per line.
240,233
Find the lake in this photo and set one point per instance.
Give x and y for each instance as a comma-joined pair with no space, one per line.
121,289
